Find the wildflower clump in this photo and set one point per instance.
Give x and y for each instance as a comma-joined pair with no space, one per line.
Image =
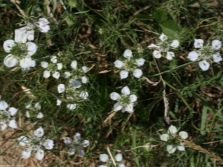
76,145
105,158
129,65
6,114
125,101
164,47
172,143
205,55
35,144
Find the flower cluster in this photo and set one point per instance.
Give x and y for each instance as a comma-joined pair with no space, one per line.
6,114
52,68
164,47
35,143
129,65
34,110
173,143
105,158
125,102
76,145
205,54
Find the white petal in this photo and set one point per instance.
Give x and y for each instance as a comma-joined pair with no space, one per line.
137,73
59,102
75,83
3,126
71,151
198,43
43,21
163,37
8,44
102,166
67,74
48,144
171,149
118,157
103,157
115,96
44,28
84,79
127,53
84,68
164,137
13,124
32,48
61,88
44,64
216,44
26,62
153,46
20,36
183,134
117,107
30,35
39,132
74,64
121,165
27,114
77,137
181,147
46,74
128,108
13,111
39,154
217,57
33,63
67,140
40,115
204,65
175,43
10,61
170,55
81,153
71,106
22,140
3,105
125,90
157,54
56,75
59,66
37,106
26,153
172,129
140,62
193,56
123,74
132,98
84,95
85,143
118,64
53,59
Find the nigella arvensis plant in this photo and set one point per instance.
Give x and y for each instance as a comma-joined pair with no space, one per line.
125,101
164,47
207,54
35,144
77,145
129,65
20,51
172,143
6,115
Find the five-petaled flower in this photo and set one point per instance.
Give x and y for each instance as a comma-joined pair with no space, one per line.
76,145
125,102
205,54
164,47
35,143
129,65
173,143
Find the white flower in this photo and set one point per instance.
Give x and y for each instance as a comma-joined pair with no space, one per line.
39,132
204,65
43,25
198,43
61,88
216,44
124,74
127,54
137,73
193,56
118,64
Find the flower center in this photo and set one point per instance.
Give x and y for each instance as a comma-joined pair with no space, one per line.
4,116
19,50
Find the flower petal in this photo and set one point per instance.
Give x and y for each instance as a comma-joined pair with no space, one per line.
163,37
67,74
53,59
114,96
48,144
71,106
124,74
10,61
8,44
46,74
84,68
22,140
125,90
13,124
216,44
40,115
26,62
171,149
127,53
3,126
193,56
39,132
61,88
85,143
153,46
117,106
75,83
137,73
67,140
103,157
32,48
157,54
204,65
39,154
217,57
84,79
13,111
198,43
3,105
183,134
84,95
44,64
118,64
128,108
172,130
132,98
164,137
26,153
56,75
170,55
71,151
74,64
140,62
20,35
175,43
118,157
59,66
181,147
